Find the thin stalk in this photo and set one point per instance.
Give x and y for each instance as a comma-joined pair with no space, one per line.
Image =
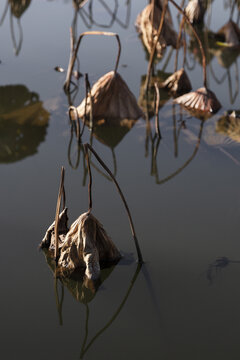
89,147
155,44
157,127
56,253
4,12
73,55
178,43
198,40
88,88
90,179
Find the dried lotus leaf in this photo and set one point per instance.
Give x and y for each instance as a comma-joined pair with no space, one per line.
87,245
178,83
203,100
230,125
195,11
111,99
149,29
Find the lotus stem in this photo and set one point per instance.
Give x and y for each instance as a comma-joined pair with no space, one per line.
178,43
4,12
155,44
88,90
60,192
157,128
89,147
90,179
73,55
198,40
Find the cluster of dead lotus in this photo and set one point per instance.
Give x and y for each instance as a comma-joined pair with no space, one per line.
85,245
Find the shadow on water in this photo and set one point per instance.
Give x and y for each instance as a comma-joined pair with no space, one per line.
23,123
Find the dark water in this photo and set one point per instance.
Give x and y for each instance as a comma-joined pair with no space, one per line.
185,201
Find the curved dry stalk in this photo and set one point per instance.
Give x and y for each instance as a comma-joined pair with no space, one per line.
60,192
73,55
198,40
90,179
155,44
89,147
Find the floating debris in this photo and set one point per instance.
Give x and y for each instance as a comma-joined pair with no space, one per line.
59,69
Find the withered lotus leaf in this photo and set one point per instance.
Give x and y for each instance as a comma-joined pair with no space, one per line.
203,100
85,246
111,99
148,29
230,125
178,83
195,11
231,33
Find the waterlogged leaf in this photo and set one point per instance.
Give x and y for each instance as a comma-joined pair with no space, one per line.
148,28
195,11
203,100
111,99
230,125
178,83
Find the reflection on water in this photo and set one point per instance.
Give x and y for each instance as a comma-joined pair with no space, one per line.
23,123
215,267
17,8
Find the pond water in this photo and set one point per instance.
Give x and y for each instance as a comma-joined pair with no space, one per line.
184,196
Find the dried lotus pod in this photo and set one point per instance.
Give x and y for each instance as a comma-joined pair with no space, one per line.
230,33
19,6
178,83
203,100
148,28
87,245
195,11
111,99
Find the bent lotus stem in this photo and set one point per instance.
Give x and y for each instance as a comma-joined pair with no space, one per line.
198,40
73,55
89,147
60,193
155,44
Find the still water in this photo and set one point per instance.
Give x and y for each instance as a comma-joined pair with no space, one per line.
184,198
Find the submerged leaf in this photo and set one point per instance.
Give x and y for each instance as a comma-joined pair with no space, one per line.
230,125
203,100
111,99
178,83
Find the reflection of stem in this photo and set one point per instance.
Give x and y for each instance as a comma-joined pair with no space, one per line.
114,162
218,81
175,137
178,43
86,332
89,147
90,179
187,162
59,303
109,323
17,48
4,13
157,127
168,59
233,97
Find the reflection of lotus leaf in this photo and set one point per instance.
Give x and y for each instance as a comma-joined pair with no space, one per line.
19,6
229,126
148,105
23,123
207,39
225,56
